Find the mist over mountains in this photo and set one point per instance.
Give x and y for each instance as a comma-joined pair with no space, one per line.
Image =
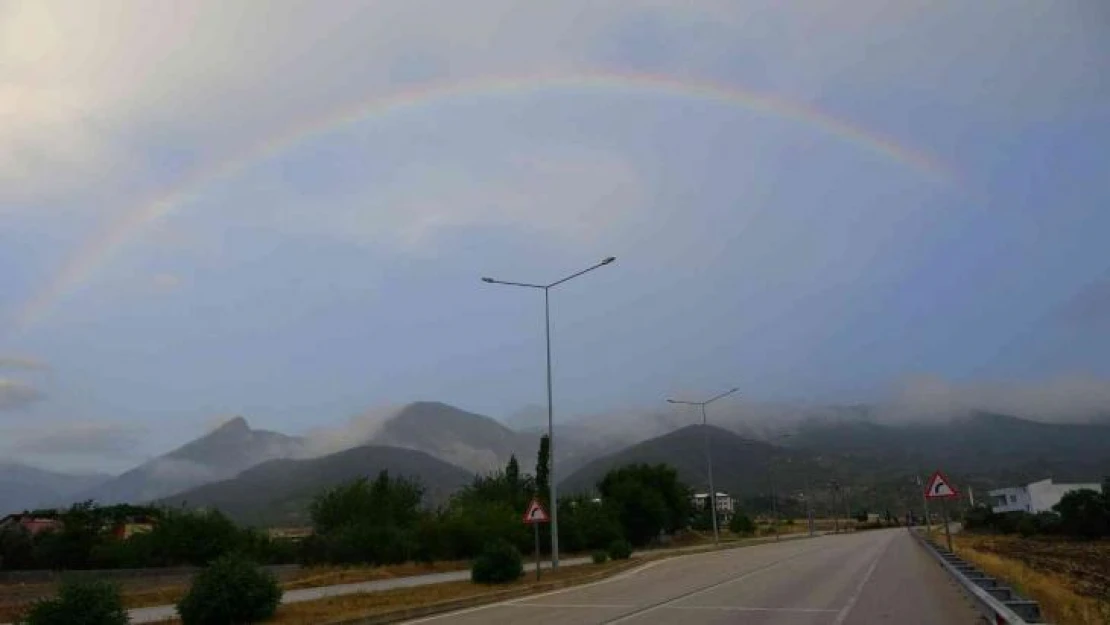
262,476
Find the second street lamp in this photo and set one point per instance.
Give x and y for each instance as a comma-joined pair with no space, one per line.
708,456
546,288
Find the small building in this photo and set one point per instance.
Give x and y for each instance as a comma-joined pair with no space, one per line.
1035,497
726,505
33,522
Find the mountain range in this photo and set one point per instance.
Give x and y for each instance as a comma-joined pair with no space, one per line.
279,491
220,454
23,487
266,477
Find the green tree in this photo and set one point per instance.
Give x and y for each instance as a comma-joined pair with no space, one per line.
231,590
647,499
512,475
585,524
543,469
79,602
71,546
741,524
17,549
1084,513
385,501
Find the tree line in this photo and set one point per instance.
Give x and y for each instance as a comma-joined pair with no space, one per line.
84,539
379,520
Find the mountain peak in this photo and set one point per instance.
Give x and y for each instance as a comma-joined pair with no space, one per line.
235,425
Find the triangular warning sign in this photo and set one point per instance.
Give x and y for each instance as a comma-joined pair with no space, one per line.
536,513
940,488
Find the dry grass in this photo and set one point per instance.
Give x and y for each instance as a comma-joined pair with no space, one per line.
14,599
330,576
1059,595
139,593
338,609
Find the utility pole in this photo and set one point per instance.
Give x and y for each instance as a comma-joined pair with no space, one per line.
924,503
809,505
847,510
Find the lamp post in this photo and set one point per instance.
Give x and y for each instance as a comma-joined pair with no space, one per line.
774,493
546,288
708,455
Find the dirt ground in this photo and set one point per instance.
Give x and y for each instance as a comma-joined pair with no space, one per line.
1085,564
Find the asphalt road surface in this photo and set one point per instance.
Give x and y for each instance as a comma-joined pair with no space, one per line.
880,576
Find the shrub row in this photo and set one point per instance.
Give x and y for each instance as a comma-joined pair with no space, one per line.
230,591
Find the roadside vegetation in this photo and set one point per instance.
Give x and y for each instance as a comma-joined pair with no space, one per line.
1060,558
377,522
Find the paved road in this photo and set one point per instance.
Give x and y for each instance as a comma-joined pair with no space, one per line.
857,579
157,614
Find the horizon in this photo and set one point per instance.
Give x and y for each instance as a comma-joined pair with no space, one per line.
820,206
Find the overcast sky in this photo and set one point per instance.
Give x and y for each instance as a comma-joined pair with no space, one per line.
282,209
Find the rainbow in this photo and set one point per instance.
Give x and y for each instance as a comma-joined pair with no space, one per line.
98,250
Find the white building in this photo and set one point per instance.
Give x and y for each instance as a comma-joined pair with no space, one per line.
725,505
1036,497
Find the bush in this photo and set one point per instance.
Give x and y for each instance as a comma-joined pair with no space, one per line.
585,525
93,602
17,549
599,557
741,524
1084,513
231,590
499,562
620,550
1027,526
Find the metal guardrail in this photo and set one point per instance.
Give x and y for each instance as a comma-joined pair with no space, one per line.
999,603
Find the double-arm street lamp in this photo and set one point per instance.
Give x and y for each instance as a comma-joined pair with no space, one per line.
546,288
708,455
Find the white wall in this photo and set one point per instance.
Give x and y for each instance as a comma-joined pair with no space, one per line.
1017,499
1044,494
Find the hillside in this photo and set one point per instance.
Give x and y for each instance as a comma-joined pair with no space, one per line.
462,438
740,465
23,487
991,449
278,492
220,454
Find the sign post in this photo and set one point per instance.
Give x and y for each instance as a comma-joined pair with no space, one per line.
534,516
940,488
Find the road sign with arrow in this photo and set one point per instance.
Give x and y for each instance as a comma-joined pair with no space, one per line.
940,488
536,513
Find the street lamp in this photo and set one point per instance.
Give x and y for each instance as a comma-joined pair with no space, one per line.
546,288
774,493
708,455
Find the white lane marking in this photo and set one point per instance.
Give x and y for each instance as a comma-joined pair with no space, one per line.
701,591
847,609
625,575
521,600
730,608
598,606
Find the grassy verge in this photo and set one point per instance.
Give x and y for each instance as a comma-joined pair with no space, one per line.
1063,595
385,601
15,598
383,604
